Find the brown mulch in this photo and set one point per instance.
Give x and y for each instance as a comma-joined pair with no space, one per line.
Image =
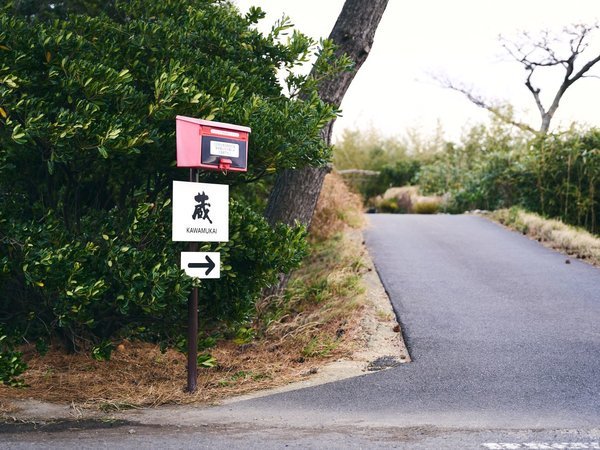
141,375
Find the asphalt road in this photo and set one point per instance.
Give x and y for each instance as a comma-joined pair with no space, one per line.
505,341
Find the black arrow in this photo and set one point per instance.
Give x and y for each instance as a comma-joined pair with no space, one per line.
210,265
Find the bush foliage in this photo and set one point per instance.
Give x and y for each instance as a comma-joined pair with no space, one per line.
11,362
555,175
370,151
87,149
492,167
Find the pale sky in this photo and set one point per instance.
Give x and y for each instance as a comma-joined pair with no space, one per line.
394,92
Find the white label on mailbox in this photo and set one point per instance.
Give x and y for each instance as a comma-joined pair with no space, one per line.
228,149
200,212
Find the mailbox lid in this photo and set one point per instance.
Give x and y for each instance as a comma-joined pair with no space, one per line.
210,123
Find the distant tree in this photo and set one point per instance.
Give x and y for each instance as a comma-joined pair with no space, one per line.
548,50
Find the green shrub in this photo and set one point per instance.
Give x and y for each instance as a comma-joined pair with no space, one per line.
366,149
11,363
87,149
563,175
554,175
126,281
369,150
400,173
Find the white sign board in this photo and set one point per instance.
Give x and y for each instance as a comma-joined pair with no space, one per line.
200,212
201,264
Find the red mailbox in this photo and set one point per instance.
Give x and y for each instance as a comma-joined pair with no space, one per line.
212,145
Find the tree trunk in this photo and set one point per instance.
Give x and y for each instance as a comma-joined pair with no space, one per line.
545,126
295,194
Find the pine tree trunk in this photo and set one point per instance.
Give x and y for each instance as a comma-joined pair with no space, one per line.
295,194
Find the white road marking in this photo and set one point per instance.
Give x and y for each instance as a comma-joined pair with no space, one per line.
541,445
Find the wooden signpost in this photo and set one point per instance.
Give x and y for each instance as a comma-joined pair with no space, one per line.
201,210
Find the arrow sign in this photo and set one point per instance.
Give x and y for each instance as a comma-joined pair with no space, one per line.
210,265
201,264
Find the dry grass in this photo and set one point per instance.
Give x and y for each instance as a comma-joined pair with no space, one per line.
399,192
337,208
143,376
427,205
553,233
7,407
319,314
407,200
316,321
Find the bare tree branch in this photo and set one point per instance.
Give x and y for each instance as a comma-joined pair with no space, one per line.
548,50
535,92
477,100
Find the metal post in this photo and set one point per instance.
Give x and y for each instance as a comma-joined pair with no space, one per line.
192,362
192,340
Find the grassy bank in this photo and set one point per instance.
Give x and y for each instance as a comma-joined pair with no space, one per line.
570,240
